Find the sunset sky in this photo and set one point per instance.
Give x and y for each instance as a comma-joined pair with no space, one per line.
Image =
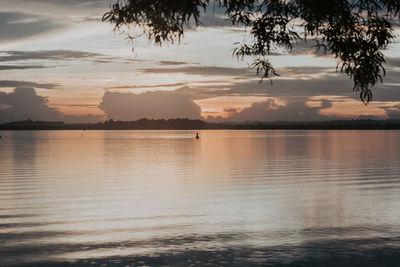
58,61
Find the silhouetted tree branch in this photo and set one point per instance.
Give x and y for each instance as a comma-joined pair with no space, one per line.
354,31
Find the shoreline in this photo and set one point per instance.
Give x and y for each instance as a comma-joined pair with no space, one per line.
188,124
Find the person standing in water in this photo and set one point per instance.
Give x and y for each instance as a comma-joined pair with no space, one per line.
197,136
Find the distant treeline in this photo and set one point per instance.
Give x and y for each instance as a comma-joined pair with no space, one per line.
188,124
142,124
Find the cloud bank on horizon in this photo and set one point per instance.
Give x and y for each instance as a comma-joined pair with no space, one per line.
59,62
23,104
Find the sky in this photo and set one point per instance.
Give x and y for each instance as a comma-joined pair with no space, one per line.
58,61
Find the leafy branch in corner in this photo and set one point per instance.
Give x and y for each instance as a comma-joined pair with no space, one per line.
354,31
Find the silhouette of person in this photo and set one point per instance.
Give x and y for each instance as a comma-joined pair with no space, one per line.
197,136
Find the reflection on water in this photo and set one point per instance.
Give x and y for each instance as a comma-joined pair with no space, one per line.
231,198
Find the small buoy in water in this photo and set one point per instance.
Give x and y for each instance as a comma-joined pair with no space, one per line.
197,136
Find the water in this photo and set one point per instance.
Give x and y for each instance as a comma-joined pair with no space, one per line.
231,198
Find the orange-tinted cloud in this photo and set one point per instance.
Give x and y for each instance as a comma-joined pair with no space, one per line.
155,104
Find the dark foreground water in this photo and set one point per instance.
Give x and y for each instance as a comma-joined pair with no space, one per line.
231,198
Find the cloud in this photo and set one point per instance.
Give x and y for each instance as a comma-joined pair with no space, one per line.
283,88
23,103
393,112
166,62
8,83
298,82
75,9
305,71
16,26
67,2
21,67
155,104
308,47
291,87
183,85
214,20
57,55
146,86
202,70
75,2
214,17
393,61
270,111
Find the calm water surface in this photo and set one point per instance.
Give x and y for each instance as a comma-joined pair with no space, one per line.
231,198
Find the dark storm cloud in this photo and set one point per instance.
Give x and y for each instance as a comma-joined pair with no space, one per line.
23,103
8,83
15,26
155,104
